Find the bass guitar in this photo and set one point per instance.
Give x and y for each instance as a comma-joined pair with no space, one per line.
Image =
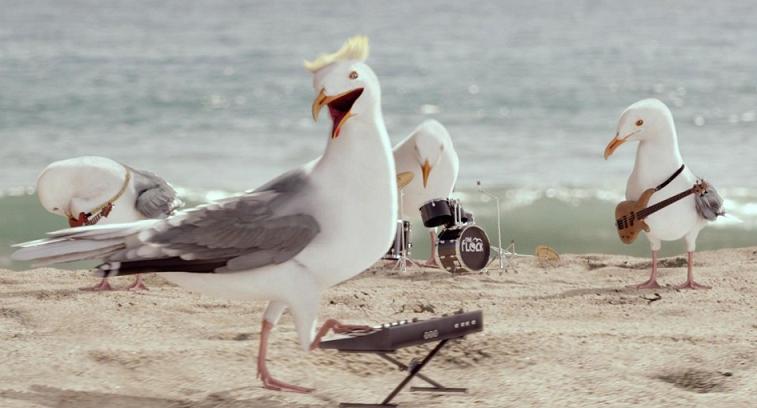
630,215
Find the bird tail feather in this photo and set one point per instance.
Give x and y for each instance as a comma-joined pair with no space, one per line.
81,243
105,231
55,250
78,256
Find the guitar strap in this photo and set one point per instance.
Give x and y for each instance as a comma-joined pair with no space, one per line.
671,178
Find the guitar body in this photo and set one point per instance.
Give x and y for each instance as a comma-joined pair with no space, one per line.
630,215
627,218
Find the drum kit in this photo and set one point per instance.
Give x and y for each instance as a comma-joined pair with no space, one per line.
462,246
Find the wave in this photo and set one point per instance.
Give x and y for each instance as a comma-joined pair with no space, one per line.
570,219
740,202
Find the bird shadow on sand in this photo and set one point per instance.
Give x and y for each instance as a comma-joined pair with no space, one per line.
46,396
604,291
412,274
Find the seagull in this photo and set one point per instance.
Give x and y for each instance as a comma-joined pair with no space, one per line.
658,161
286,241
428,148
92,190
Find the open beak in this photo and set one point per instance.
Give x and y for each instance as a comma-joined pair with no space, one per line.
425,170
614,144
339,107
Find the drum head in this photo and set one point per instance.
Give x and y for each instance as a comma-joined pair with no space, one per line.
473,248
436,212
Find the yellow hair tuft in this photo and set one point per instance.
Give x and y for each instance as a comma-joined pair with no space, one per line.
356,48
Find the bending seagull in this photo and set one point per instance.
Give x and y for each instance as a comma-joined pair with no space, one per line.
286,241
429,147
92,190
659,163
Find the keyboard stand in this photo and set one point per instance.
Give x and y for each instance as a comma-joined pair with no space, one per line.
413,371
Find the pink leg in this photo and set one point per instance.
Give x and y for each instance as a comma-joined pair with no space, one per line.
690,284
268,381
651,283
431,261
138,284
102,286
337,327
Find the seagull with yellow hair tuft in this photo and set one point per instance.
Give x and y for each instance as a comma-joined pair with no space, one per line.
287,241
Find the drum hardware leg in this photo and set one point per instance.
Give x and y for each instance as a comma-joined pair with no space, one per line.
502,254
413,371
498,254
403,256
402,263
408,260
499,224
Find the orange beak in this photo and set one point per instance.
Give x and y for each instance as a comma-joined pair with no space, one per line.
318,103
613,145
426,171
339,111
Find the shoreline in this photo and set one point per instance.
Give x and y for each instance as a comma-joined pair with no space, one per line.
570,335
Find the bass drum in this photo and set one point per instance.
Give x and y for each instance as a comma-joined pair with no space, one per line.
463,249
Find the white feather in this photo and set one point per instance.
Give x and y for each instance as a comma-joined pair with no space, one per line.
57,248
105,231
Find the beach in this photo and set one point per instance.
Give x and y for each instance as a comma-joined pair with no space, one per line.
564,335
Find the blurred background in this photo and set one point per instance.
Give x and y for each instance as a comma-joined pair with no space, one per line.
213,96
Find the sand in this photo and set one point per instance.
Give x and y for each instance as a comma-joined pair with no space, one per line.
569,335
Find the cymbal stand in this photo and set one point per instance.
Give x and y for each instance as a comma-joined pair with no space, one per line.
404,256
500,253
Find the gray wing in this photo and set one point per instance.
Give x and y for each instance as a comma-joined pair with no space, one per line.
244,232
709,204
155,197
289,182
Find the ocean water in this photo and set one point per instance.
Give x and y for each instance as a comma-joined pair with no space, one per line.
213,96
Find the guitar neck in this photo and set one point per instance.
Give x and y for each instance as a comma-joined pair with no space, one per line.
662,204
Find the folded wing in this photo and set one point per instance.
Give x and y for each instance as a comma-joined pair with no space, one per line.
239,233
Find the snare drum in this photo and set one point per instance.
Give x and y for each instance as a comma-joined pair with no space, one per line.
436,213
401,245
463,249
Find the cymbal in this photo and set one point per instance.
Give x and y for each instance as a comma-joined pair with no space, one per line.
547,256
404,178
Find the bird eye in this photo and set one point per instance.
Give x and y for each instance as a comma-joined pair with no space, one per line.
639,122
353,75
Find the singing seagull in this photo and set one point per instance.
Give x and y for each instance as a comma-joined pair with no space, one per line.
91,190
429,155
287,241
658,161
